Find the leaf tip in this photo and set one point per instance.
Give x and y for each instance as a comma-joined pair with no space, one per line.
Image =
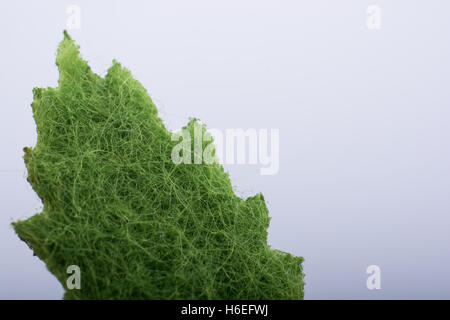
66,35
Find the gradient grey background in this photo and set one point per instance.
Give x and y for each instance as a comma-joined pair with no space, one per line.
363,116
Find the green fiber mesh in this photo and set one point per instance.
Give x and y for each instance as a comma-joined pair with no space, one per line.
116,205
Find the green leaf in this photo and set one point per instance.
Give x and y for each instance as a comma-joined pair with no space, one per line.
138,225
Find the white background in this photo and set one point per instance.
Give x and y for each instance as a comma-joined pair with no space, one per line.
363,116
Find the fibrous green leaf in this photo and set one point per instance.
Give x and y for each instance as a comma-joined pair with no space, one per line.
138,225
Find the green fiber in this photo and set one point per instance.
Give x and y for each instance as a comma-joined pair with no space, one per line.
138,225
